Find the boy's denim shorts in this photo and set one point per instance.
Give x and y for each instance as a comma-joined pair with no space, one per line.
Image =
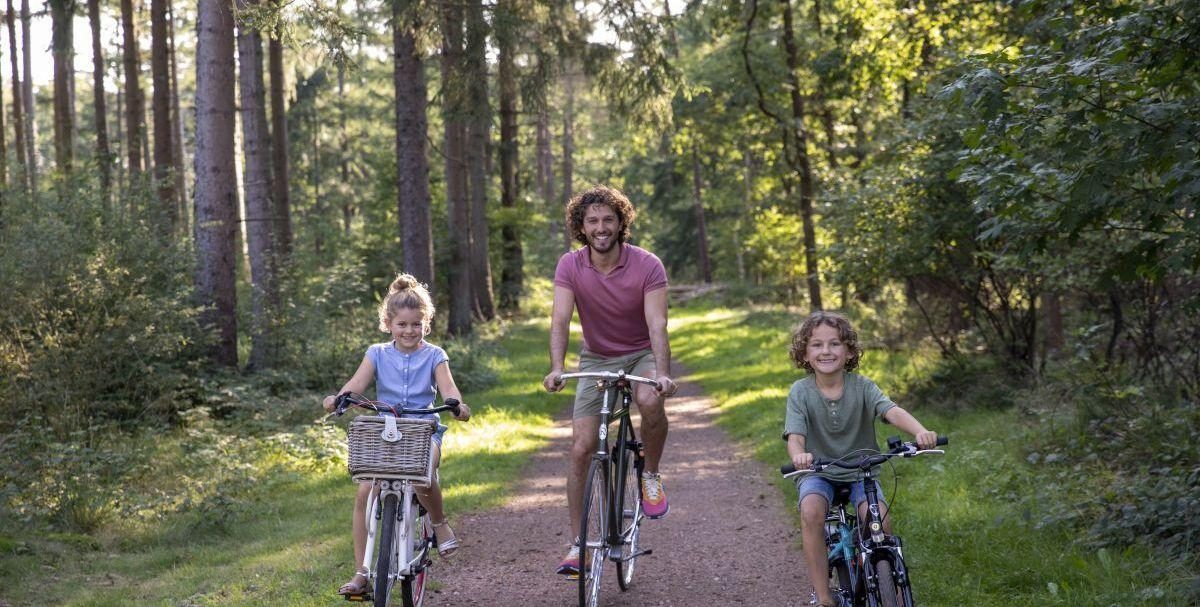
825,487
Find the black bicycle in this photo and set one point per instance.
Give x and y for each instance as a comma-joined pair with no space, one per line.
866,565
612,508
394,454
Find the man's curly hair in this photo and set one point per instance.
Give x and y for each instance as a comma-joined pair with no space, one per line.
605,195
804,332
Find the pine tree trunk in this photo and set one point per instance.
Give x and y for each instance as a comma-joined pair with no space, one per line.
568,151
133,92
701,224
458,206
164,160
344,201
799,160
545,169
17,102
62,13
3,145
512,272
216,193
412,165
256,184
477,159
103,154
279,150
31,152
177,156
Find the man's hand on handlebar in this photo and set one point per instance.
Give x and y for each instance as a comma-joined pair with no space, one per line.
666,385
552,382
803,461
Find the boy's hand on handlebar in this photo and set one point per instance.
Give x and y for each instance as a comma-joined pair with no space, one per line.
927,439
803,461
552,382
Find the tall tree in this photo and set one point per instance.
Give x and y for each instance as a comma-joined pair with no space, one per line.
17,101
477,158
62,19
160,103
103,154
3,143
412,165
256,141
512,273
177,157
698,208
134,107
31,157
568,149
458,213
216,190
279,146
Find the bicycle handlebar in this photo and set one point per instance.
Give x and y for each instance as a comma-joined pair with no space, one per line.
345,400
610,376
866,462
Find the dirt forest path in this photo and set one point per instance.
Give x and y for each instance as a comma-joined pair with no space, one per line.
727,540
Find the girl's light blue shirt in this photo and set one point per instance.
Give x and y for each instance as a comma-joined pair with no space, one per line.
407,380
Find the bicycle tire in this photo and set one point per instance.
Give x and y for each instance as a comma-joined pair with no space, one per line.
629,507
885,584
383,558
593,533
841,585
420,537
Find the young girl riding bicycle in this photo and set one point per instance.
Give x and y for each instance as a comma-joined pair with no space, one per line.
408,372
831,414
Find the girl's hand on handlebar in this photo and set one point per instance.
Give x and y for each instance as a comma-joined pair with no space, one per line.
329,403
464,412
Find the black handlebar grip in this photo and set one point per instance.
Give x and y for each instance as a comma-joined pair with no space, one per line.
787,468
943,440
453,403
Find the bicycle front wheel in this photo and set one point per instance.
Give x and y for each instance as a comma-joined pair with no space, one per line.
593,533
385,564
885,584
629,508
420,539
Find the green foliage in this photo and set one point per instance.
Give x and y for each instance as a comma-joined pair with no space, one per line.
102,327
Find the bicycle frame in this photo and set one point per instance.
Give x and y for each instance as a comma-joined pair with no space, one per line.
406,562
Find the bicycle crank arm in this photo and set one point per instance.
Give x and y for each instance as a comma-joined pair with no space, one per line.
645,552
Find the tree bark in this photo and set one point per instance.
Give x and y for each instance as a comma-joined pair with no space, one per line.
413,200
701,224
17,101
134,111
457,203
62,17
545,169
568,152
164,159
177,156
344,201
3,147
800,162
477,160
31,153
512,272
256,185
216,179
103,154
279,149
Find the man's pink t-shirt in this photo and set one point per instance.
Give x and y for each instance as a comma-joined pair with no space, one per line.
612,306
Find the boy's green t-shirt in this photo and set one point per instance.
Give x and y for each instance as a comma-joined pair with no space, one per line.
835,428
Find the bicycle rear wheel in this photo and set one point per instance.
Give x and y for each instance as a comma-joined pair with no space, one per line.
384,561
841,585
885,584
629,506
420,539
593,533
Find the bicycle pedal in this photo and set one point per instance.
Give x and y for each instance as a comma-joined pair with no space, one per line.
365,597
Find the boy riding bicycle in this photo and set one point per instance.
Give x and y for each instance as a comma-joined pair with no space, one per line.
831,414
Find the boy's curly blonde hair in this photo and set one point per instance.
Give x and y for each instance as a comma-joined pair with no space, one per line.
804,332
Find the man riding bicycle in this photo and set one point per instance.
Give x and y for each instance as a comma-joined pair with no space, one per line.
620,291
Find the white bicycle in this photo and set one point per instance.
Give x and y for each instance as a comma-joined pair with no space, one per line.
394,454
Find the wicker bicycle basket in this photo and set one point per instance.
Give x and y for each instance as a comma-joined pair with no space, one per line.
406,456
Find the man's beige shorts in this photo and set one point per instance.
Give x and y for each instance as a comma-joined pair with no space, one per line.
588,400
